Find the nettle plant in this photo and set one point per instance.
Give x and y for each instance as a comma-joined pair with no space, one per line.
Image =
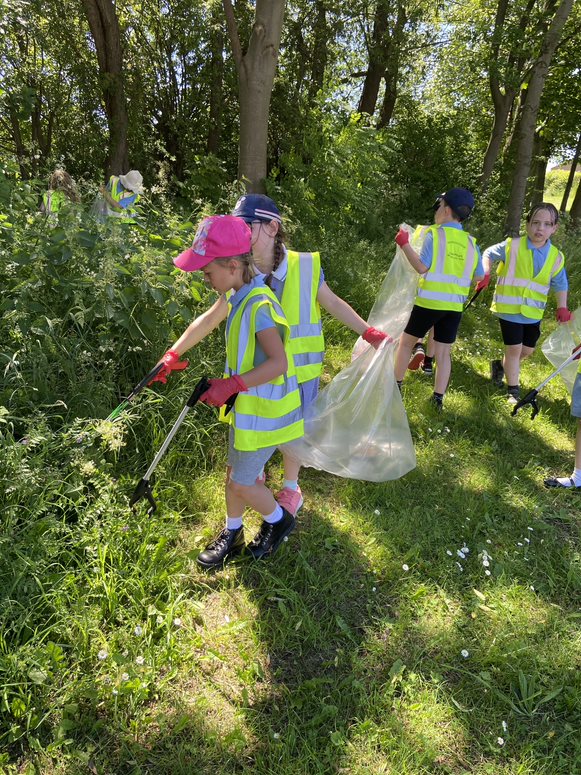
87,307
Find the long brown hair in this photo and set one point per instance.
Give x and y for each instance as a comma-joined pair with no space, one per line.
60,180
279,243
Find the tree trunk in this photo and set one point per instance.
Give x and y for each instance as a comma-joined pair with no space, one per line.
377,61
571,177
216,84
319,55
256,70
537,180
576,208
104,27
527,123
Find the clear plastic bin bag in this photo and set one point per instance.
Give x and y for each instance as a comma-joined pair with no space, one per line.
357,428
558,346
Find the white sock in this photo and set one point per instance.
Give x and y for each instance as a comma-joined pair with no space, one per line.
276,515
233,523
292,484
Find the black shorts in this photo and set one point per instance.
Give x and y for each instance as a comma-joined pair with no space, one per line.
444,321
520,333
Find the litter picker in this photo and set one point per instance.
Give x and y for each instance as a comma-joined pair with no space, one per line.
143,489
473,298
531,396
137,389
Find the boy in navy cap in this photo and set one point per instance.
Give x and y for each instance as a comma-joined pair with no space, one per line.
448,262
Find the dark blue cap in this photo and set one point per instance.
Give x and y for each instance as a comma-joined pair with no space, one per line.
256,207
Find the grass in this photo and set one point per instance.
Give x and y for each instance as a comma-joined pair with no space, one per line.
368,645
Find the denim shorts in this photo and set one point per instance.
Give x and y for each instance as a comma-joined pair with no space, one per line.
246,466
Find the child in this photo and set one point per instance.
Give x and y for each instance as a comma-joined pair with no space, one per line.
448,262
529,267
122,194
61,187
573,482
298,282
260,370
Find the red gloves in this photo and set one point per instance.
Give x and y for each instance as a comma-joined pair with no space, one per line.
171,362
375,337
222,389
402,238
484,283
563,315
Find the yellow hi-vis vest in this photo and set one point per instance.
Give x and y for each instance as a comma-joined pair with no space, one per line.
53,201
447,282
118,193
266,415
517,291
303,314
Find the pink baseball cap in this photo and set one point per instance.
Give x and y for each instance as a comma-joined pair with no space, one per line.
219,236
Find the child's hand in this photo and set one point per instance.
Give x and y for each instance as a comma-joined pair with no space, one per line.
171,362
402,238
563,315
375,337
484,283
222,389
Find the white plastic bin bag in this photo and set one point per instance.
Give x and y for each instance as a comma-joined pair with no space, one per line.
558,347
357,428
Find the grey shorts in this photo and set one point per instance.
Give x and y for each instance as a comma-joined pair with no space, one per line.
576,397
246,466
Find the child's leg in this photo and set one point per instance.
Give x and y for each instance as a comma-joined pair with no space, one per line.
442,353
418,325
430,347
511,363
404,351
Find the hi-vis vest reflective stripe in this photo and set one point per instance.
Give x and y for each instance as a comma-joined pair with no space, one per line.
303,314
118,193
53,201
447,282
517,292
266,415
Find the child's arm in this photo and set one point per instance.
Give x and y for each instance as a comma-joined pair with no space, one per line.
563,314
202,326
275,364
339,309
276,361
194,333
402,238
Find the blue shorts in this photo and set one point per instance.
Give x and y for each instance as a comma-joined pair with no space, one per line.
246,466
576,397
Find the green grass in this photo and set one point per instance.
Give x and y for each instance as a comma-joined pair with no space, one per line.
344,654
332,657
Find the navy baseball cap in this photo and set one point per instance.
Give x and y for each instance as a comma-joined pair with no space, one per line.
460,200
256,207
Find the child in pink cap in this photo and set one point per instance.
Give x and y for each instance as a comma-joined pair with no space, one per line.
259,371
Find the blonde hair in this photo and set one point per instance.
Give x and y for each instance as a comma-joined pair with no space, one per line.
249,269
60,180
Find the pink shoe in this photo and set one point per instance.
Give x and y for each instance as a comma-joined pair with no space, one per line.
291,500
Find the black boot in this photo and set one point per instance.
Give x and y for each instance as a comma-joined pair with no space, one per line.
270,536
228,544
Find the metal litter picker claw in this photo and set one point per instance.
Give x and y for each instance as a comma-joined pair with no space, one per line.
143,489
531,397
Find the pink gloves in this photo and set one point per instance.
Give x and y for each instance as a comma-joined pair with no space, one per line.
484,283
402,238
222,389
375,337
171,362
563,315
